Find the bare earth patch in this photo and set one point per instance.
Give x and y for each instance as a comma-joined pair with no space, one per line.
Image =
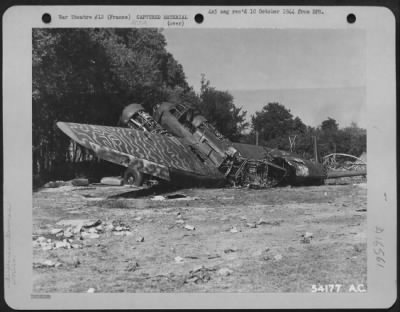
217,240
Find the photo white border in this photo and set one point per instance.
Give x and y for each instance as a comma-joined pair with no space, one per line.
379,24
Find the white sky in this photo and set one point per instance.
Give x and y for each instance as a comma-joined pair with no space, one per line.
315,73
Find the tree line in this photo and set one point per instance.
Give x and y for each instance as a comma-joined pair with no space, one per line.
278,128
89,75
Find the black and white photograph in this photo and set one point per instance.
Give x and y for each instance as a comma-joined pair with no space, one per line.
187,160
199,160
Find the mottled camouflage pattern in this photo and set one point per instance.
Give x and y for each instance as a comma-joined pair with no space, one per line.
150,153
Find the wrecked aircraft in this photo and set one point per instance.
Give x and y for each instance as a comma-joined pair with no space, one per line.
180,146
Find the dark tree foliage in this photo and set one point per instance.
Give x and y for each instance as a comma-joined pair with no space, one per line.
275,124
89,75
275,121
277,128
350,140
219,109
329,126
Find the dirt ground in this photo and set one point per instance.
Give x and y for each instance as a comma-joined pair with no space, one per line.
284,239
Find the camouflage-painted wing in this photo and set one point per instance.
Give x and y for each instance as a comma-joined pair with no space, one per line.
157,155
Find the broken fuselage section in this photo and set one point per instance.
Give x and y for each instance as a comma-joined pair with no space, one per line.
260,168
210,145
207,143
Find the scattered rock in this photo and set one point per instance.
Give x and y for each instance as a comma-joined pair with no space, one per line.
90,224
123,233
100,228
358,248
56,231
54,184
140,239
189,227
76,230
226,198
117,181
158,198
47,247
306,237
188,198
76,225
109,227
121,228
75,261
192,257
44,264
261,221
251,225
49,263
41,239
68,233
233,230
80,182
272,222
199,275
224,272
214,256
90,235
362,185
178,259
71,261
62,245
132,267
229,250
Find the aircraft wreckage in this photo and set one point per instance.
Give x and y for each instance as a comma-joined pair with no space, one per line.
180,146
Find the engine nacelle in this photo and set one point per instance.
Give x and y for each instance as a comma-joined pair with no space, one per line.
187,124
134,116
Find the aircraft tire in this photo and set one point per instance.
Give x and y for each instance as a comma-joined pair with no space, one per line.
133,177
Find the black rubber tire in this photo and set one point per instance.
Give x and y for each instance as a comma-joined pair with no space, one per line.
133,177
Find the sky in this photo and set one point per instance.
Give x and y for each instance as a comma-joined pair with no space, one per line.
315,73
